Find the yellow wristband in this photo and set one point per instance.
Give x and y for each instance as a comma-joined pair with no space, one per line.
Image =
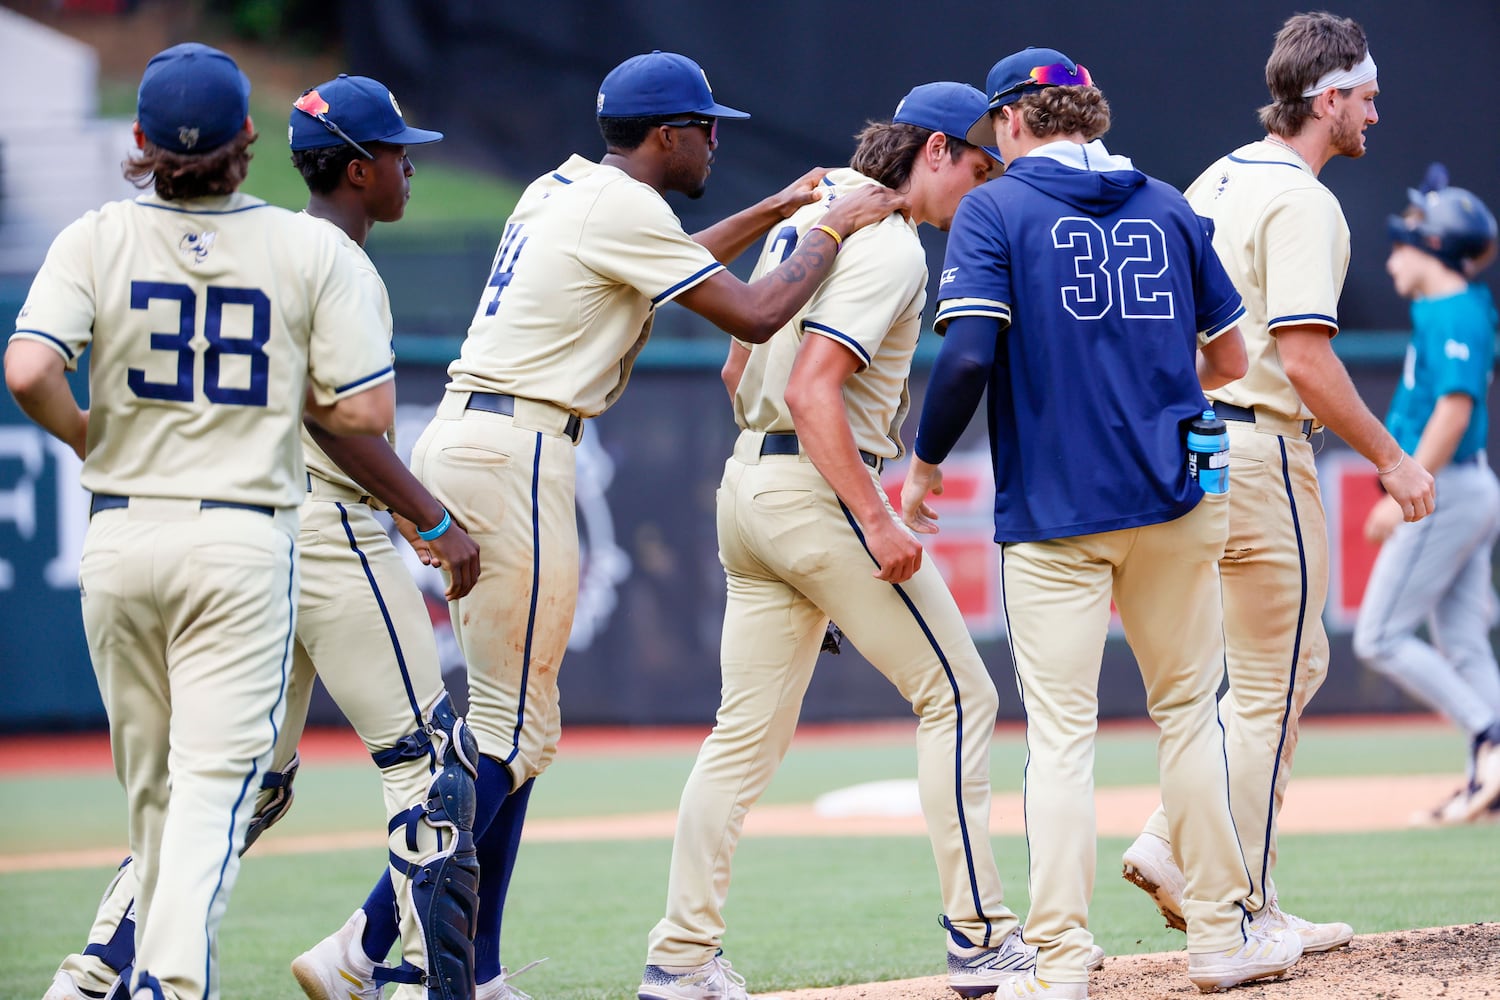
838,241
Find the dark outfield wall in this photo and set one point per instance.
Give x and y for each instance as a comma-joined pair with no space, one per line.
645,641
514,85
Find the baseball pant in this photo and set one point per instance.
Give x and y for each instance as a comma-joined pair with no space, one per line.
1437,572
1164,579
509,481
189,615
794,556
363,628
1275,579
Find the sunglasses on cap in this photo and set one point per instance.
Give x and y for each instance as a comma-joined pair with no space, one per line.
316,108
1053,75
711,124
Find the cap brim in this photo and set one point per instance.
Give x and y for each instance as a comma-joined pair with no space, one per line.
720,111
411,137
982,133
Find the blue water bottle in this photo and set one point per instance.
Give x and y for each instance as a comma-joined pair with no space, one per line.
1208,452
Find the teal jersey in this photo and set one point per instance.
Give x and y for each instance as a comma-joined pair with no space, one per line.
1452,350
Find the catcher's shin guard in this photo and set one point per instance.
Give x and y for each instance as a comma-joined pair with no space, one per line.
444,886
274,801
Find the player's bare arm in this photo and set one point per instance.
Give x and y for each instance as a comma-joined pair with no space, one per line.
815,397
370,461
38,379
731,237
1223,359
922,479
734,367
1440,438
369,411
755,311
1323,383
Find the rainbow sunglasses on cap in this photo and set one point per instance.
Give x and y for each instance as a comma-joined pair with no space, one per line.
1051,75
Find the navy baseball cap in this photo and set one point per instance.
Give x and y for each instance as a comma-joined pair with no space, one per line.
944,107
351,109
193,99
1019,74
658,84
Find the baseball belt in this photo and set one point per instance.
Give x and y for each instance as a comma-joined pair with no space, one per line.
111,501
505,405
785,443
1273,423
321,489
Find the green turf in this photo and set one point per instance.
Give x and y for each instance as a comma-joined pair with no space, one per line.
803,911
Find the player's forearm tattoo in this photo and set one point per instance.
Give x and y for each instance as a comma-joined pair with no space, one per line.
806,261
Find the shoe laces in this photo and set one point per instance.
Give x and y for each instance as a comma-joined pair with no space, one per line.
724,971
509,992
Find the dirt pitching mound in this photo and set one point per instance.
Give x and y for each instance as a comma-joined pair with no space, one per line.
1454,963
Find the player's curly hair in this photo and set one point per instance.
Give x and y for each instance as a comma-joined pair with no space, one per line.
323,169
887,150
180,176
626,134
1064,111
1307,46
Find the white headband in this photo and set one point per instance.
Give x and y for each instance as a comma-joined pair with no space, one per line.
1344,79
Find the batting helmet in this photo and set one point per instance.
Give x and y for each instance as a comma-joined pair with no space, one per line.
1448,222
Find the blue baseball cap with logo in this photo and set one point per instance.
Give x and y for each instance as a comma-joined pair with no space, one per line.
193,99
946,107
658,84
351,109
1022,73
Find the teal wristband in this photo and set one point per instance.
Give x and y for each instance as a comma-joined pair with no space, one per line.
438,530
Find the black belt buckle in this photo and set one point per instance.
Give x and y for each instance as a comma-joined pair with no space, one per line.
786,443
505,405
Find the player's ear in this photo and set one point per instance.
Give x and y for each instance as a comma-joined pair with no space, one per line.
936,149
249,125
140,136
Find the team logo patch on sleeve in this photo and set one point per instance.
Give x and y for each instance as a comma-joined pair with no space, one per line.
197,245
949,274
1456,349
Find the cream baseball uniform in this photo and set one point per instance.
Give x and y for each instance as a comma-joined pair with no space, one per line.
362,626
206,318
1285,244
794,556
585,259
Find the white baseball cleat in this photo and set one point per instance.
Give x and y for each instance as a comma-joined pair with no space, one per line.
1272,919
500,987
337,968
1484,790
1033,987
1260,956
713,980
1149,865
65,987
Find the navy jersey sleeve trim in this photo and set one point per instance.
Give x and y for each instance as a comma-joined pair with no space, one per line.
201,211
49,339
1302,318
559,177
947,312
842,338
361,381
686,283
1217,328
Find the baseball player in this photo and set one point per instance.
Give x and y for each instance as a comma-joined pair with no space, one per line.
1438,571
362,624
1087,298
214,319
590,252
806,532
1283,240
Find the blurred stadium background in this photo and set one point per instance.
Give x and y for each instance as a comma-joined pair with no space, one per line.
513,87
